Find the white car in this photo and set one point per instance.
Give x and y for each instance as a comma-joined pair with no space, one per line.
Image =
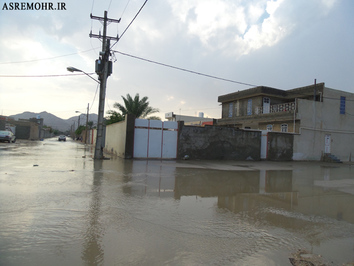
8,136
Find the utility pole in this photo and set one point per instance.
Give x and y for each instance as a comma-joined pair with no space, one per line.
103,69
88,105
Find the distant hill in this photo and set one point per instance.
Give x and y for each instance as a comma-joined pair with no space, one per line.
57,122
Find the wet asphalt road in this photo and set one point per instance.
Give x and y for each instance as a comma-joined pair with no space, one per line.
59,207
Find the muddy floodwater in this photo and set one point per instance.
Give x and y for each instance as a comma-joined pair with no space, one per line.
60,207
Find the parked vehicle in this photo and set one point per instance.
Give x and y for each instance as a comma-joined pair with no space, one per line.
7,136
62,138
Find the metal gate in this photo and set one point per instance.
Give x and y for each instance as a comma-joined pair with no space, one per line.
155,139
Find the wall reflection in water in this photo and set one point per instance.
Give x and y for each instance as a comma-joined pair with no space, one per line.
307,191
152,196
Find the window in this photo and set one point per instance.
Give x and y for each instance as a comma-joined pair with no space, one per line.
269,127
342,105
249,107
230,109
284,128
266,105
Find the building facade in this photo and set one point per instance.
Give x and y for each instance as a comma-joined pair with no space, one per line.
321,118
31,129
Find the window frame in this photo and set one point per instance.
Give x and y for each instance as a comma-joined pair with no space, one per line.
342,105
230,113
249,107
284,128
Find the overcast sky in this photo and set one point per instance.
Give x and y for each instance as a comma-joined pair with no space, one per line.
282,44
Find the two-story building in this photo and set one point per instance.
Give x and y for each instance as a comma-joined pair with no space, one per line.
321,118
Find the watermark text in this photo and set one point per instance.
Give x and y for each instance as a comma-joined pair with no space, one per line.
34,6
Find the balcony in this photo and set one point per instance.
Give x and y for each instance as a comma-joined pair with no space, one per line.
276,108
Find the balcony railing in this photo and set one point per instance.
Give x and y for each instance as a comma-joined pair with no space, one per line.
276,108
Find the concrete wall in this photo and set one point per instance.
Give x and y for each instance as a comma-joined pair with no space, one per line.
319,119
119,138
280,146
115,138
92,136
310,145
213,142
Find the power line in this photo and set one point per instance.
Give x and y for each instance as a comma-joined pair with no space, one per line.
94,96
186,70
93,1
134,18
130,22
48,58
109,6
125,8
42,76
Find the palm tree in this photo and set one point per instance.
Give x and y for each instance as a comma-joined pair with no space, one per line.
138,107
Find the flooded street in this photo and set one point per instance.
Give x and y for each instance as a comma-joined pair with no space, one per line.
59,207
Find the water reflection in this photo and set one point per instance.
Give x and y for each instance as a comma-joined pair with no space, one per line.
166,181
304,202
71,210
240,191
93,252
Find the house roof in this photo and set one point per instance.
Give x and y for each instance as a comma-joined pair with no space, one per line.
268,91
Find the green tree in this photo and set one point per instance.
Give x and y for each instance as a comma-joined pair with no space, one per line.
154,118
138,107
113,117
90,124
79,130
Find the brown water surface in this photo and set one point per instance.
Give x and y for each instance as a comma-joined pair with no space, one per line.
59,207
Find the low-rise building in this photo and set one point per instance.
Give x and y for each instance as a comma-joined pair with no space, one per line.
31,129
322,118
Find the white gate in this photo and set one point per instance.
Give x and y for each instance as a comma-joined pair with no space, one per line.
155,139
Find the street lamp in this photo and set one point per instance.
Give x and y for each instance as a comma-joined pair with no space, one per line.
87,115
99,136
73,69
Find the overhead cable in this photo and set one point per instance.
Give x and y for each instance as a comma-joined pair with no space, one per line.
42,76
125,8
48,58
98,85
186,70
130,23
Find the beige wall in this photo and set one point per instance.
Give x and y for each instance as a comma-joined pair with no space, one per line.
91,135
319,119
34,131
116,138
277,126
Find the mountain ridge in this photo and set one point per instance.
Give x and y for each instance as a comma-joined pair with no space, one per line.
56,122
